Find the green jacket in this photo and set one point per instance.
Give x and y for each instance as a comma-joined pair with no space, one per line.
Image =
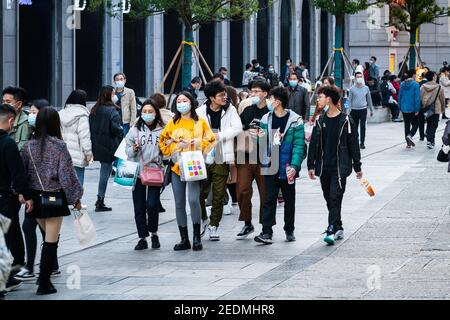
293,147
22,130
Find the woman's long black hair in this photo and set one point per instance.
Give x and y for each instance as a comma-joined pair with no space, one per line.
48,124
194,104
104,99
77,97
158,118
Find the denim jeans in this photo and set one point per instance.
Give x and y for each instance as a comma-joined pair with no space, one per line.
80,174
126,128
105,172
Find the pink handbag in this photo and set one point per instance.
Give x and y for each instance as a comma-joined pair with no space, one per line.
151,174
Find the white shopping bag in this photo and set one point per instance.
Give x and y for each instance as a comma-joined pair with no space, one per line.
120,152
6,259
192,166
84,227
308,132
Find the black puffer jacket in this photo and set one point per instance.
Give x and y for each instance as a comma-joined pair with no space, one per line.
348,147
106,133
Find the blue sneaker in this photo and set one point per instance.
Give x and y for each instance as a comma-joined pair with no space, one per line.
329,237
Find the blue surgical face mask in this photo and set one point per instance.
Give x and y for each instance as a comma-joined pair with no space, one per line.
326,108
293,83
183,107
270,106
148,117
120,84
271,70
256,100
32,119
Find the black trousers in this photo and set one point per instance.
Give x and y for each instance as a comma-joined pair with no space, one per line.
146,213
411,122
432,125
272,186
360,118
10,207
333,192
422,122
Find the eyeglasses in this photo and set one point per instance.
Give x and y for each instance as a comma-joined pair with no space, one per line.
221,95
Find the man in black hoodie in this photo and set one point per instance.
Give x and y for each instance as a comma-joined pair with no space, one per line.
333,150
14,181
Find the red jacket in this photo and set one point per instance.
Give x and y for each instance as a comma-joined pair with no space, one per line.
397,88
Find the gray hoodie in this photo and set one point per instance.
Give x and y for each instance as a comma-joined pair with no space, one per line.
149,142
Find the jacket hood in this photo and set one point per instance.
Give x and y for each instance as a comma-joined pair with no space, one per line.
72,113
408,83
430,86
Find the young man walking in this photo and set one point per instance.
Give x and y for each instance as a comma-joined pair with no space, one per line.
224,120
333,151
248,160
359,99
409,104
14,182
284,149
126,100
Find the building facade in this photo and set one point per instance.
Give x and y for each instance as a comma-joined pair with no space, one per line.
50,47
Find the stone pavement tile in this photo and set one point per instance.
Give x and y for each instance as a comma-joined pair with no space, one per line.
168,281
230,282
182,290
113,297
250,290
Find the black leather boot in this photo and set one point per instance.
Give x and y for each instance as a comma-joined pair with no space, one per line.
184,244
197,241
47,259
100,205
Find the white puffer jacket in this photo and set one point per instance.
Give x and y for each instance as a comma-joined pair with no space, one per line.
76,133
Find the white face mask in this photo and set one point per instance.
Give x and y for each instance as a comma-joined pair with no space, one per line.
359,80
115,99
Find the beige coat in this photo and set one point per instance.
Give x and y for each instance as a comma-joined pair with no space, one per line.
428,93
445,83
128,106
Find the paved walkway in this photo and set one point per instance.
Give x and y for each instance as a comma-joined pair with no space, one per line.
396,245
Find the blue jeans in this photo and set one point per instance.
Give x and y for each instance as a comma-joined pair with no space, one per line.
146,213
105,172
80,174
126,128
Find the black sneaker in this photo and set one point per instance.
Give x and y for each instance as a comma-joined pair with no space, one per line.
290,236
246,230
12,284
410,141
362,146
141,245
264,238
155,242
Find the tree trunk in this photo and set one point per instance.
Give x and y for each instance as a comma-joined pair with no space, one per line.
412,51
187,58
339,29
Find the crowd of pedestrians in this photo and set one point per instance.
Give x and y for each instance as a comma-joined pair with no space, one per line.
256,135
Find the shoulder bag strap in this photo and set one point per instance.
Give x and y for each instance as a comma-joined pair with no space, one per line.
35,169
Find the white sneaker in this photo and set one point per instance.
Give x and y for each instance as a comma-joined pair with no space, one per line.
339,235
25,275
205,224
213,234
228,210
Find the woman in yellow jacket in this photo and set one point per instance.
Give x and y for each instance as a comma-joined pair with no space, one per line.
186,132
